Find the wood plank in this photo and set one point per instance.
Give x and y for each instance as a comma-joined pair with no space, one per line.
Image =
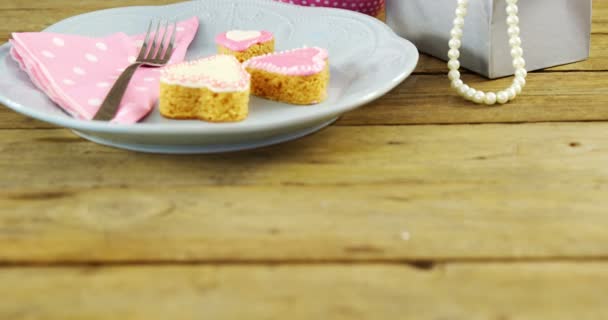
463,291
600,16
348,193
427,99
84,5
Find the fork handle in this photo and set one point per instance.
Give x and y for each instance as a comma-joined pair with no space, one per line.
110,104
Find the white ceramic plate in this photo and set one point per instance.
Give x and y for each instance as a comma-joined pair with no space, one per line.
367,60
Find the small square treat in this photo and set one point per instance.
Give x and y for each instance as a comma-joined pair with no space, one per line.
214,89
245,44
299,76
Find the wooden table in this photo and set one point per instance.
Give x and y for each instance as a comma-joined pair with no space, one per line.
417,206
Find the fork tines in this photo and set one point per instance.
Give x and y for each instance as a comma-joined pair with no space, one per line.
159,41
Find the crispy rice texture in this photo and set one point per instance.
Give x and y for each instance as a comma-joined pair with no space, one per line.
301,90
253,51
180,102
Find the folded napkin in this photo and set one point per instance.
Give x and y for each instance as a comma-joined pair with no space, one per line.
77,72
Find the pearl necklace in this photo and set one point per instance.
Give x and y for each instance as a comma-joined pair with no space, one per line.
517,52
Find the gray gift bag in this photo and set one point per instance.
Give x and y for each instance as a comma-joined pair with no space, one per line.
553,32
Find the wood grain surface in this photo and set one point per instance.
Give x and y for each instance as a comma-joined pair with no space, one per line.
559,291
461,192
416,206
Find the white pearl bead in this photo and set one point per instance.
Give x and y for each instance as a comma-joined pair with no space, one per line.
512,20
463,89
455,44
461,11
454,64
502,97
511,93
512,10
456,33
463,2
520,81
479,97
513,31
521,72
459,22
515,41
517,52
490,98
456,84
454,54
454,75
470,93
517,88
519,63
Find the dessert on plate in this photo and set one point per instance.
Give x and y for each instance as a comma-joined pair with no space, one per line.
245,44
298,76
214,89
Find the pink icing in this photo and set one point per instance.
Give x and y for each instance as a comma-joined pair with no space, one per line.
200,80
297,62
223,40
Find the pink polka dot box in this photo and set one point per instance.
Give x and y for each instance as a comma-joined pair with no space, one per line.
374,8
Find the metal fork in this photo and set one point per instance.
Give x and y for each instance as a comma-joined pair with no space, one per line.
154,53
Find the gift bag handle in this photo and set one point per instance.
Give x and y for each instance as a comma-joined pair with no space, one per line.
519,64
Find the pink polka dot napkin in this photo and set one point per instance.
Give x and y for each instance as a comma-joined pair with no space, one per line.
77,72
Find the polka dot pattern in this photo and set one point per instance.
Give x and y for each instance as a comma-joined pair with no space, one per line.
101,46
94,102
370,7
77,72
48,54
58,42
91,57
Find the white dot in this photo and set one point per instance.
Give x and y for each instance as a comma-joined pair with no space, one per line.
94,102
180,29
103,85
58,42
48,54
69,82
141,88
149,79
139,43
120,69
78,71
101,46
405,236
91,57
132,59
